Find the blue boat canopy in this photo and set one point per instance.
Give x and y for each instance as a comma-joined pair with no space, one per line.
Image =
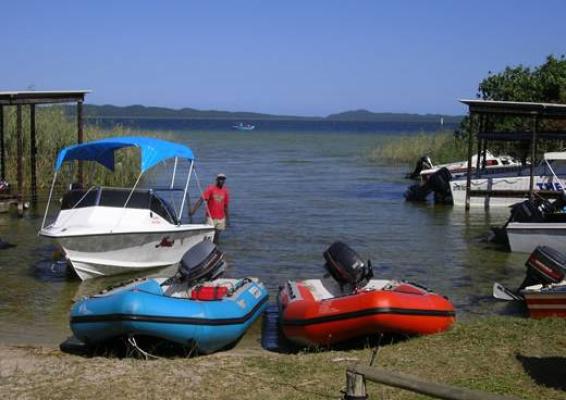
153,151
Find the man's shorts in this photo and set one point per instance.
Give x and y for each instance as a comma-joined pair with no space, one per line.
219,224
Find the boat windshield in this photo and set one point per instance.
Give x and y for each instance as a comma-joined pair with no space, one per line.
117,197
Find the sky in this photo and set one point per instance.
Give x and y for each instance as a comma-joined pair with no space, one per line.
295,57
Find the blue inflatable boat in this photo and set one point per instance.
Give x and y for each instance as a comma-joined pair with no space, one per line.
208,316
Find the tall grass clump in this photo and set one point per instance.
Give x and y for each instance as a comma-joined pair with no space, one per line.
55,130
441,147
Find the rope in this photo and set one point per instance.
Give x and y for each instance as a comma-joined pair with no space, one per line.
132,342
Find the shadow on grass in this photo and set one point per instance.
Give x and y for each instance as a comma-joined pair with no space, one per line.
545,371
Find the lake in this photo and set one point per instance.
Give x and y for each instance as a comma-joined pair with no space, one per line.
294,192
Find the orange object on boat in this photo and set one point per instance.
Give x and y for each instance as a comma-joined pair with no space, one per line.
312,315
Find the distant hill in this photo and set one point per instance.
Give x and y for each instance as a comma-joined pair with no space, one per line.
365,115
139,111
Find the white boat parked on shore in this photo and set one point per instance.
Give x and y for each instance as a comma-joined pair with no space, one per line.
547,177
107,231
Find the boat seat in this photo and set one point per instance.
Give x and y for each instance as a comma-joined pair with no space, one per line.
328,288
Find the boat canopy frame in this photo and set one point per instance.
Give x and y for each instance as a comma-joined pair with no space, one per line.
153,151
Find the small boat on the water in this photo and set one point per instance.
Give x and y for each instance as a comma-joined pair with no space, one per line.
544,286
194,308
351,304
243,127
107,231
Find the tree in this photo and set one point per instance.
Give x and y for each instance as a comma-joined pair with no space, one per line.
545,83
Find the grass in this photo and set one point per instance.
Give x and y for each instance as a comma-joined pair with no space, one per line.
442,147
504,355
55,131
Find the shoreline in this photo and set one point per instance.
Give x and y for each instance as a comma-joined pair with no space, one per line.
504,355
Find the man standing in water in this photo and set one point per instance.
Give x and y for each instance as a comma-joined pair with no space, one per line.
217,199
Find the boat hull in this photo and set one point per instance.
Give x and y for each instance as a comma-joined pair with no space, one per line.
94,256
410,311
142,308
543,303
524,237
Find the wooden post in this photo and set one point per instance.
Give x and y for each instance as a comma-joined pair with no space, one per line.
33,153
355,387
409,382
533,155
19,151
470,149
2,149
80,137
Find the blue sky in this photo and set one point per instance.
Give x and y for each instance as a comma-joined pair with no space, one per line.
283,57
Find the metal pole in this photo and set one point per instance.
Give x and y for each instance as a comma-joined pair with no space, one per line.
2,149
80,137
174,172
19,150
185,192
470,149
33,152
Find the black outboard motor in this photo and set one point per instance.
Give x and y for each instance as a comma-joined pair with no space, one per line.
202,262
526,211
439,183
545,265
423,163
417,192
346,266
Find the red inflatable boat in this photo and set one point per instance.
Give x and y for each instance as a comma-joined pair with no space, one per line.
350,304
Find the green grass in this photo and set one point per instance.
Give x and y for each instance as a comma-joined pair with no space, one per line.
441,147
504,355
55,131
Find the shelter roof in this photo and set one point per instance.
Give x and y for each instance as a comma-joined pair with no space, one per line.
11,98
515,108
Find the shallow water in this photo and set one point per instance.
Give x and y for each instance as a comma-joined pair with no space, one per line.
292,195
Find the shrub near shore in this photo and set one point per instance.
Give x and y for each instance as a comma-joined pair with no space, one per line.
54,131
441,147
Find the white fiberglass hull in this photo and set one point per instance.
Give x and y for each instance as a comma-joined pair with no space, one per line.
525,237
521,184
94,256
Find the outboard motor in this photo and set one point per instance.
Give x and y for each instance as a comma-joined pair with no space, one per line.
423,163
417,192
203,262
439,183
346,266
545,265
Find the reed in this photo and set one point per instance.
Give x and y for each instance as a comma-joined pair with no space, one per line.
55,130
441,147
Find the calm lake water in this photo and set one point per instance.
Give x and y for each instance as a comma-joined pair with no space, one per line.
293,194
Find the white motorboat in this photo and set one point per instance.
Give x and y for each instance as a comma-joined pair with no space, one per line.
243,127
107,231
513,184
502,163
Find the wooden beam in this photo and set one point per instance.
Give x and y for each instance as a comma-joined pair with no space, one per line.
80,137
533,156
413,384
33,153
19,151
2,149
470,149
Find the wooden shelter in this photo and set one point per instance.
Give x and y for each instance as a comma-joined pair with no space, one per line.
31,99
534,114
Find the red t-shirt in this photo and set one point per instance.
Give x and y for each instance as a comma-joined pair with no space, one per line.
216,198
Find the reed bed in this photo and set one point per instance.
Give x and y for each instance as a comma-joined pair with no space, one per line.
55,130
441,147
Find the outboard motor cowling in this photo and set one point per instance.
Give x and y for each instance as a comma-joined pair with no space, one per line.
345,265
545,265
439,183
422,164
202,262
